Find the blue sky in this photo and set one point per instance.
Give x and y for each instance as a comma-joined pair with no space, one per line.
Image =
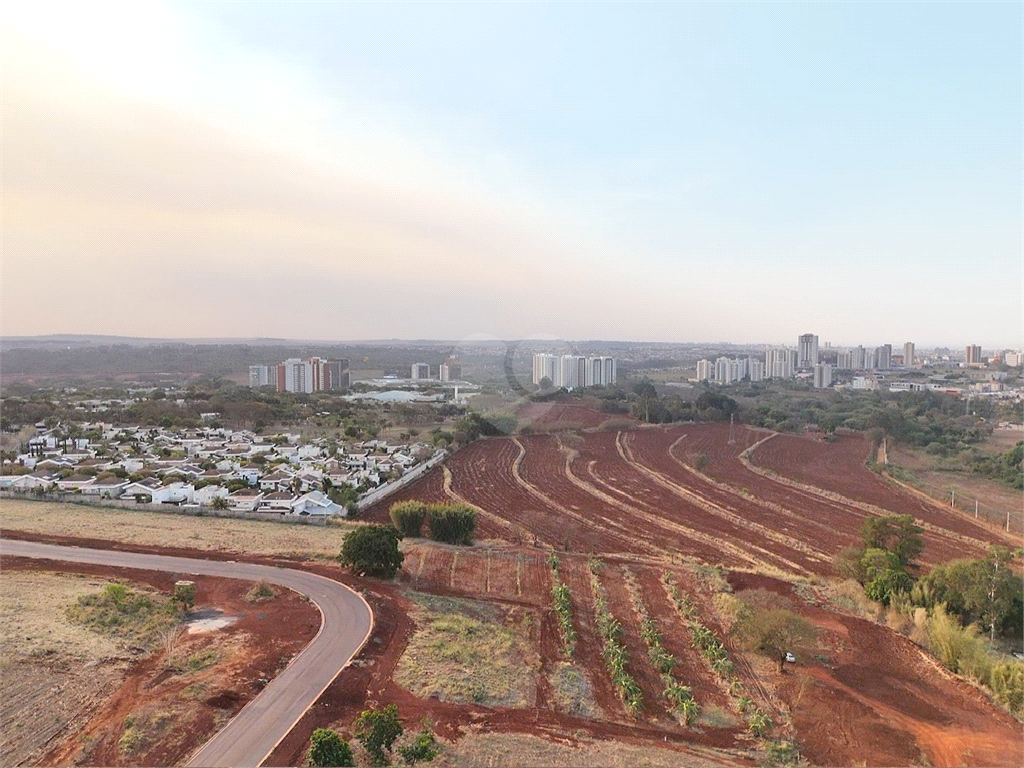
662,171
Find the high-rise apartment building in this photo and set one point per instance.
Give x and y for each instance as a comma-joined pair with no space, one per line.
883,357
705,370
756,369
451,369
807,351
574,370
844,360
261,376
972,355
822,376
420,371
779,363
295,375
908,355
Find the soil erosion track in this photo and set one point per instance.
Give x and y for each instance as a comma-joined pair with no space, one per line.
254,732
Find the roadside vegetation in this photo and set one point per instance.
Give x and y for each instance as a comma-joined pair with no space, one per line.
135,618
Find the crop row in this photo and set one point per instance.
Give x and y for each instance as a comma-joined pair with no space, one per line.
713,650
562,603
616,657
679,696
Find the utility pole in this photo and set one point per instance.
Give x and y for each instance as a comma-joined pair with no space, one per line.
975,509
952,501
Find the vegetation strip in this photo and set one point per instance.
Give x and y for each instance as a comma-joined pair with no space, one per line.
678,696
562,601
713,651
616,657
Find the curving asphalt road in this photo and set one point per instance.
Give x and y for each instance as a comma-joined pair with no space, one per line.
251,735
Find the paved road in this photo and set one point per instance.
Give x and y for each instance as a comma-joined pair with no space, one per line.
253,733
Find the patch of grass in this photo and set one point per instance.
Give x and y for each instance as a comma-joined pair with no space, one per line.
131,739
200,660
457,656
260,592
135,618
713,716
573,692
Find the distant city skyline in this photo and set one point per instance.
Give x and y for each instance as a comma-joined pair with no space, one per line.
662,172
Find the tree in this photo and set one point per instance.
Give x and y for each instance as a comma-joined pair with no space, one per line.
766,625
327,748
372,550
219,502
377,730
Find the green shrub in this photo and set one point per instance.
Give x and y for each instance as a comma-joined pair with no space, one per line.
408,517
1007,683
377,730
960,649
452,523
423,749
372,550
327,748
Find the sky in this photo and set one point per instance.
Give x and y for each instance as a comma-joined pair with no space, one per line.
742,172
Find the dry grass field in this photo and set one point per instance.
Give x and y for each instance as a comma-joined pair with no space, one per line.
54,671
470,651
507,750
253,537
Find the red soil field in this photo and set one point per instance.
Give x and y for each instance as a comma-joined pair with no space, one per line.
877,699
556,415
839,467
688,500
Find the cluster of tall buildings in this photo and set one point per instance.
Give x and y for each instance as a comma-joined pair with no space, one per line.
294,375
571,371
449,370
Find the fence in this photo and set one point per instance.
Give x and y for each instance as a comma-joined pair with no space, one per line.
166,509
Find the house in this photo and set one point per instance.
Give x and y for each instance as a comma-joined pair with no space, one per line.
245,500
105,488
250,473
316,503
174,493
278,501
141,491
74,482
40,479
204,496
276,481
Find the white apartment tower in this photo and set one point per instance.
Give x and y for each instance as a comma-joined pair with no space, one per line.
822,376
779,363
574,370
908,355
807,351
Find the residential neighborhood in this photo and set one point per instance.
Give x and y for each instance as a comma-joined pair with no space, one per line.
217,468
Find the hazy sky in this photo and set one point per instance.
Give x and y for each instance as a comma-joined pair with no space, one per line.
637,171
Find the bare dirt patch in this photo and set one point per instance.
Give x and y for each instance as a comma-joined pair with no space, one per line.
54,670
160,706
